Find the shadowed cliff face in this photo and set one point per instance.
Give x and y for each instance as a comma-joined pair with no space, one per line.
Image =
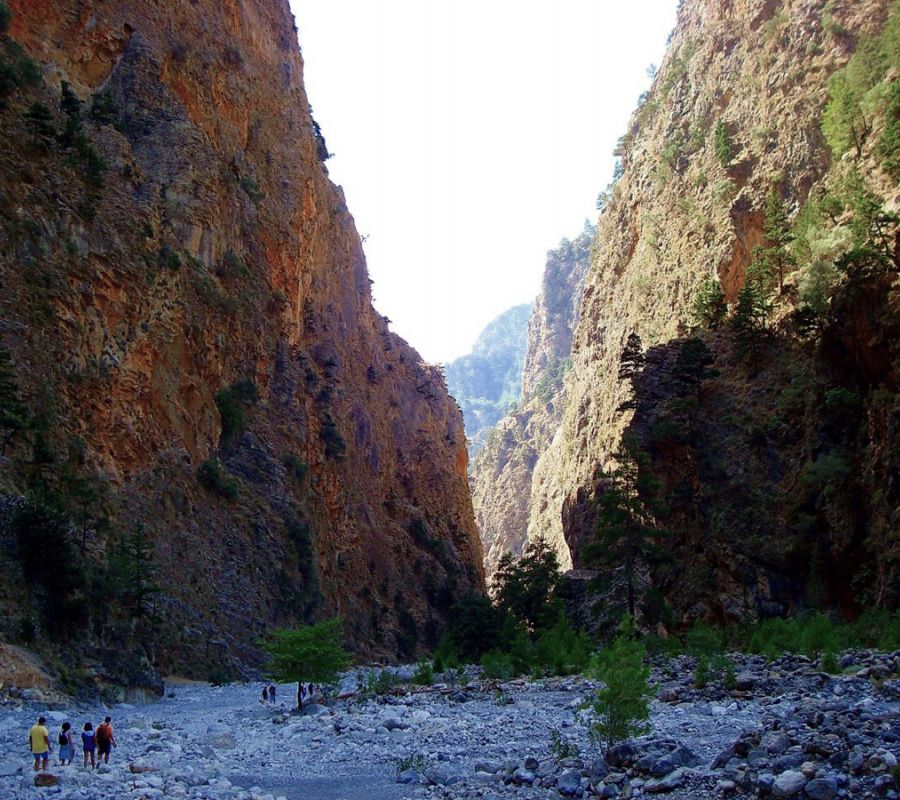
752,533
214,254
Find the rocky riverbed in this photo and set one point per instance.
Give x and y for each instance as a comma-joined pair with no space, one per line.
779,729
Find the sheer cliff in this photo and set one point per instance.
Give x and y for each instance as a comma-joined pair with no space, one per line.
502,472
205,386
759,169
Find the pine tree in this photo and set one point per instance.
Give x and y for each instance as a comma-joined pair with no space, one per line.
622,705
626,534
751,312
778,236
524,588
39,120
631,363
709,308
693,365
13,413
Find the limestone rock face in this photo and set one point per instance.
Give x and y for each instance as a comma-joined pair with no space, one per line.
679,215
502,472
206,296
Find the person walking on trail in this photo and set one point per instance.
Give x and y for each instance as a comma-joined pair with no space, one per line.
105,740
39,742
66,745
88,744
272,694
264,697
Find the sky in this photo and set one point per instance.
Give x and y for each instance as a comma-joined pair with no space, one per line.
470,137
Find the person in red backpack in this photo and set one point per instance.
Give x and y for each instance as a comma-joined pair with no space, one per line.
105,740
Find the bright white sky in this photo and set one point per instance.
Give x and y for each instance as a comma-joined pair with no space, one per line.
470,136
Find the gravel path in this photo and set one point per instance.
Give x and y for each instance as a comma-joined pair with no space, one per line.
219,743
487,741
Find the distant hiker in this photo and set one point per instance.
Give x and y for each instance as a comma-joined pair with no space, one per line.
105,739
88,743
39,742
66,745
272,694
264,697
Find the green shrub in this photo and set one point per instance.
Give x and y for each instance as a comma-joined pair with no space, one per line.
622,705
562,651
294,466
702,640
498,666
424,674
104,111
5,17
474,626
701,671
561,747
230,402
709,308
829,663
212,476
889,142
39,120
54,572
167,257
722,143
335,447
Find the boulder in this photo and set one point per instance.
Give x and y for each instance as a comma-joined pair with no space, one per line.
569,782
671,781
43,779
821,788
789,784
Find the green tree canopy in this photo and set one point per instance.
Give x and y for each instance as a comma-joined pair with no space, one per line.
626,533
524,587
313,653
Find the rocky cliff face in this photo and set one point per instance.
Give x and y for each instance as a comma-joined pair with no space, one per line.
502,472
777,478
184,289
488,380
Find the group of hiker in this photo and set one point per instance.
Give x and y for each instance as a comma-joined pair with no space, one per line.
95,744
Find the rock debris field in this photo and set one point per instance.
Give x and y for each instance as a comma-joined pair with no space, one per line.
783,729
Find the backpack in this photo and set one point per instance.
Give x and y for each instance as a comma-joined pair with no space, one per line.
63,739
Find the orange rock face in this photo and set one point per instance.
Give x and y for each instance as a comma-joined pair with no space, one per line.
213,250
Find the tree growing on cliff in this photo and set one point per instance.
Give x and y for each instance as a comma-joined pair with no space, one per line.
626,535
313,653
709,308
776,255
13,413
631,363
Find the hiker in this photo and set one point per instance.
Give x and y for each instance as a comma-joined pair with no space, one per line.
66,745
264,697
39,742
88,744
105,740
272,694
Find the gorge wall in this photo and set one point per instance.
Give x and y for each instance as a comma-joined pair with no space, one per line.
777,478
502,471
488,380
188,314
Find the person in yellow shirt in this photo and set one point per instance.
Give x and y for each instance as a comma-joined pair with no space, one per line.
39,742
